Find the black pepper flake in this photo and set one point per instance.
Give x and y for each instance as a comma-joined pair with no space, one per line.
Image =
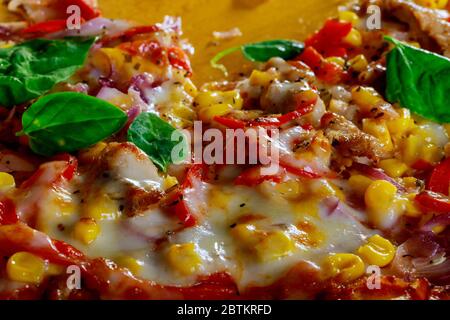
242,205
233,225
61,227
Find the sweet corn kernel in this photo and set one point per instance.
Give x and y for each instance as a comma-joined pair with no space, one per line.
55,269
358,63
7,182
323,188
86,230
169,182
184,258
359,184
433,4
102,208
380,195
431,153
354,38
25,267
379,130
291,189
394,167
400,126
346,267
210,98
366,98
247,234
276,245
337,60
411,147
412,209
184,112
438,229
219,198
349,16
207,114
377,251
190,87
260,78
130,263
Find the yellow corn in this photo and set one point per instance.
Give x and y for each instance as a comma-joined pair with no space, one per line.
86,230
349,16
366,98
394,167
247,234
55,269
211,98
219,198
260,78
130,263
183,112
337,60
400,126
276,245
379,130
7,182
207,114
323,188
433,4
291,189
190,87
380,195
169,182
359,184
412,209
354,38
102,208
346,267
184,258
411,148
377,251
431,153
358,63
25,267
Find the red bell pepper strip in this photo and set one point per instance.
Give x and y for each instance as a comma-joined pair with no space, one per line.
8,213
177,203
329,40
128,34
72,165
231,123
46,27
253,177
307,173
439,180
325,71
433,202
179,59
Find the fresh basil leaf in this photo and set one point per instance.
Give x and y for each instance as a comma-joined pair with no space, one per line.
154,136
419,80
262,51
30,69
69,121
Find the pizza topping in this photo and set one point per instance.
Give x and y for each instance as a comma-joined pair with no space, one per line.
32,68
51,123
407,67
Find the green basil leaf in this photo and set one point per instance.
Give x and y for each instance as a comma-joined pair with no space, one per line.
70,121
154,136
30,69
262,51
419,80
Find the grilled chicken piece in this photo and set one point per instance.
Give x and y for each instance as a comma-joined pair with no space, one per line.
350,140
430,27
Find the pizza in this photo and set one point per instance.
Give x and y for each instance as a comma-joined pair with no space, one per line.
321,173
